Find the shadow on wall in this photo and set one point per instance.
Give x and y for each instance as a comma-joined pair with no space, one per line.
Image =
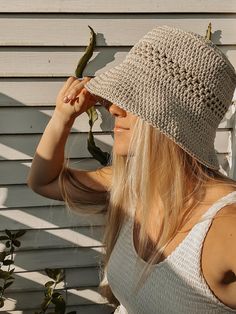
55,237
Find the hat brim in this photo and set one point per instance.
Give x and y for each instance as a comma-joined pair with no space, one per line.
116,86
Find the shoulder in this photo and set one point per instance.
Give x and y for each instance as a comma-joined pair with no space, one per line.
224,234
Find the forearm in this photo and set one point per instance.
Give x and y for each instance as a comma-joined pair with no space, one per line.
49,157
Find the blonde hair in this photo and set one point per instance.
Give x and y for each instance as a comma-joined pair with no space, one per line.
163,184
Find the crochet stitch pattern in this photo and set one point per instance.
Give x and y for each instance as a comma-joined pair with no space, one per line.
177,81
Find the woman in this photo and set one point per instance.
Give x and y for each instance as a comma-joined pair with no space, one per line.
171,214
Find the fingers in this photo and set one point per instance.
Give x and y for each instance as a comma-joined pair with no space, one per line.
74,89
67,84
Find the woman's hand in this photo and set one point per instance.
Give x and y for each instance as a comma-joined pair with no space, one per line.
73,99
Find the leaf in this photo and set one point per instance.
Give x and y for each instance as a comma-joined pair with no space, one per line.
60,276
1,302
87,55
56,294
8,262
45,303
8,284
49,284
48,292
2,256
52,272
16,243
20,233
8,232
60,305
96,152
8,243
4,238
208,32
93,116
4,274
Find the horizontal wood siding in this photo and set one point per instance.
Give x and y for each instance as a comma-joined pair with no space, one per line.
40,46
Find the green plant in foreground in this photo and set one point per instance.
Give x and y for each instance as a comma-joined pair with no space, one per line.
52,297
95,151
6,276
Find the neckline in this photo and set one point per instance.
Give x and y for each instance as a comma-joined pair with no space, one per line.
163,262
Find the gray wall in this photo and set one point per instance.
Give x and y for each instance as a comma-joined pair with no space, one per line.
41,43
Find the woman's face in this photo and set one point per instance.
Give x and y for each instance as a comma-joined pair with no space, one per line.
126,121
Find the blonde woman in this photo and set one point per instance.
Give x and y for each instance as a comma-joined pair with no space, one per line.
170,213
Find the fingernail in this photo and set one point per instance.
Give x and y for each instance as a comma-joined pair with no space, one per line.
65,99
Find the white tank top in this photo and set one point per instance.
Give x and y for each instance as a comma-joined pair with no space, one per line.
176,284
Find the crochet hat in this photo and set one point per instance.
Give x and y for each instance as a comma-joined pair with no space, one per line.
177,81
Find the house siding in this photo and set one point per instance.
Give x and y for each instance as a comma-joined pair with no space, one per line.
39,48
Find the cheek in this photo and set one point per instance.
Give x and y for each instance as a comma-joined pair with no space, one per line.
122,142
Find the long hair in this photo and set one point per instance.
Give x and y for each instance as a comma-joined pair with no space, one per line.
162,184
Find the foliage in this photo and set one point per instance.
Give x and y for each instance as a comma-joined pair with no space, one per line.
95,151
6,276
51,296
208,32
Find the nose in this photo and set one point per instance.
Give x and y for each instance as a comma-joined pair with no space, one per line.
117,111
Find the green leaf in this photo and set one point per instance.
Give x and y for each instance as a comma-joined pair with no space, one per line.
8,243
4,274
96,152
2,256
208,32
87,55
8,232
49,284
60,276
45,303
16,243
52,272
93,116
1,302
48,292
60,305
11,271
4,238
8,262
8,284
20,233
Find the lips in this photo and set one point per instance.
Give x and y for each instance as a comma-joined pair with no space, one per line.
121,127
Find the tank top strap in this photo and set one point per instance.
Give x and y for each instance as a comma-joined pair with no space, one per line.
220,203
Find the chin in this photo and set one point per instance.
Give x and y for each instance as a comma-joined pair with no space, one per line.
120,150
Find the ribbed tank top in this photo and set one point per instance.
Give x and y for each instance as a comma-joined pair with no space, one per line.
176,284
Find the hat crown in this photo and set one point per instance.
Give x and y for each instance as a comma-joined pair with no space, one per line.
192,61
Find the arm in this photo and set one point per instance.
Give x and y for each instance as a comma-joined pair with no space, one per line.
49,156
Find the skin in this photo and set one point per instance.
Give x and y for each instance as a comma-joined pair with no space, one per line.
219,250
72,100
124,119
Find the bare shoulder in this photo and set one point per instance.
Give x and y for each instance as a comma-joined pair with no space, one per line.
219,255
224,232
